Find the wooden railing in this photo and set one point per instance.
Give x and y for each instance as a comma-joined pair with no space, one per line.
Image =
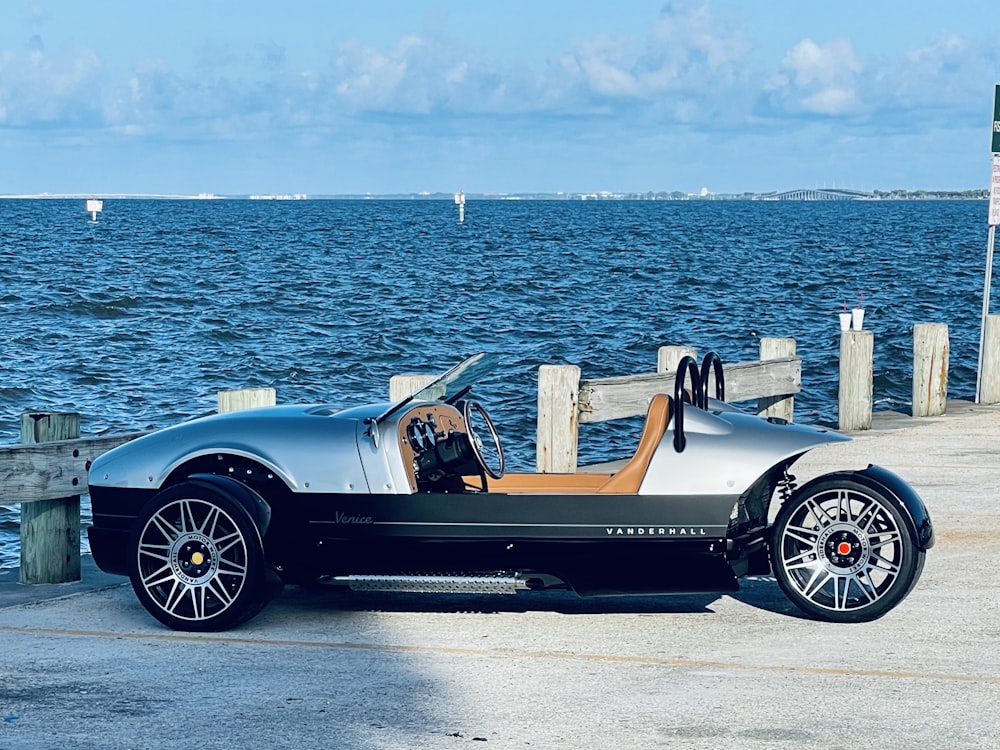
566,400
47,472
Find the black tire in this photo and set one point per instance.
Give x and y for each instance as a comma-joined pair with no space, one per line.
196,560
843,551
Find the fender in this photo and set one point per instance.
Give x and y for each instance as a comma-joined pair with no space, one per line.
883,480
255,506
922,527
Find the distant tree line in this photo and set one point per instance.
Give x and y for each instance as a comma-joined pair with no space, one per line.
677,195
663,195
910,195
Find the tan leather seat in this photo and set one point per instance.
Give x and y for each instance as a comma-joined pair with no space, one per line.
629,478
546,484
625,482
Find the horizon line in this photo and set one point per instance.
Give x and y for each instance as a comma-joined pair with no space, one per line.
495,195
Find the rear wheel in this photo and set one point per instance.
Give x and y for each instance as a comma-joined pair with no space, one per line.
197,562
843,551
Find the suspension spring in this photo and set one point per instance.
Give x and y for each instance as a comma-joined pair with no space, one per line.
786,486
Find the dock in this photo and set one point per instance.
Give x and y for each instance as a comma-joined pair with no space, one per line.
83,665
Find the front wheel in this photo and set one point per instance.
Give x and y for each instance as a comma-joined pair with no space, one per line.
197,561
843,551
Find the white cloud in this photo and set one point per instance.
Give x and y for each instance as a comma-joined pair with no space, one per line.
689,53
945,71
36,89
811,63
366,78
604,64
818,79
690,37
694,68
831,100
458,73
947,47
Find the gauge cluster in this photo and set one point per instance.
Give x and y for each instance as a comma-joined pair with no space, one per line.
438,446
422,433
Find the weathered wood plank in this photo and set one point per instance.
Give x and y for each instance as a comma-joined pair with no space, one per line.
401,386
781,405
628,396
930,369
50,529
41,472
856,380
246,398
668,357
558,418
989,389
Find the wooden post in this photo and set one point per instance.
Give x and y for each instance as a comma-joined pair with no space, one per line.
401,386
558,418
990,376
856,376
930,369
246,398
668,357
50,529
782,407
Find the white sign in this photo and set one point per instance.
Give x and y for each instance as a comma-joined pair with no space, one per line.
995,193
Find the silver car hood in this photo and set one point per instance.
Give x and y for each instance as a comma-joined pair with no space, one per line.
312,448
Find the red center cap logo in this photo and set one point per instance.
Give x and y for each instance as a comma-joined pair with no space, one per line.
844,548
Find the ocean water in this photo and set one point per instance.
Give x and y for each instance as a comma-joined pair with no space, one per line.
137,319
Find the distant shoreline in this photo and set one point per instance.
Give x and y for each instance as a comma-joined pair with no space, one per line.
982,194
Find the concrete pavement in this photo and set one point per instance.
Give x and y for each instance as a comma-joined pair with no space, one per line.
86,667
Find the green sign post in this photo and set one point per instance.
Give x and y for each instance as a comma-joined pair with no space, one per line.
996,120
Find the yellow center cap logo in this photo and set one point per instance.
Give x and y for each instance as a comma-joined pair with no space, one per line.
197,558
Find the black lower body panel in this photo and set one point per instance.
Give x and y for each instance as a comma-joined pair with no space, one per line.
114,511
110,549
591,568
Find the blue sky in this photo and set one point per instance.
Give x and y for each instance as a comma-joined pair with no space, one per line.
389,96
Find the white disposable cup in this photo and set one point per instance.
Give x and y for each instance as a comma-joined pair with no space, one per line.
845,321
857,318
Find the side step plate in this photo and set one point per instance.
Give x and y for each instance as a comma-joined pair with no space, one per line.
473,584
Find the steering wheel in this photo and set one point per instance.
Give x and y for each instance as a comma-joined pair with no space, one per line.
469,410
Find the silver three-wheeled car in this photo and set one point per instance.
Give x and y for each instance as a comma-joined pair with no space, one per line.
210,517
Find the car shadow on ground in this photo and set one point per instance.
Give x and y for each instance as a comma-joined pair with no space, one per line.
763,593
759,592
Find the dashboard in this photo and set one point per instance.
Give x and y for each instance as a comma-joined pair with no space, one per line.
434,444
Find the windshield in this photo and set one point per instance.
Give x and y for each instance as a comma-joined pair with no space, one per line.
461,376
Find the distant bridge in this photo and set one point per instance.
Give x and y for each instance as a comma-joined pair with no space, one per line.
817,194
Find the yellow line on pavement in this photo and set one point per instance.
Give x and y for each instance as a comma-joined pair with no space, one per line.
635,659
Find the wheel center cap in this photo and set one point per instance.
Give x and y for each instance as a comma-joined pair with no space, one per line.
843,548
194,558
